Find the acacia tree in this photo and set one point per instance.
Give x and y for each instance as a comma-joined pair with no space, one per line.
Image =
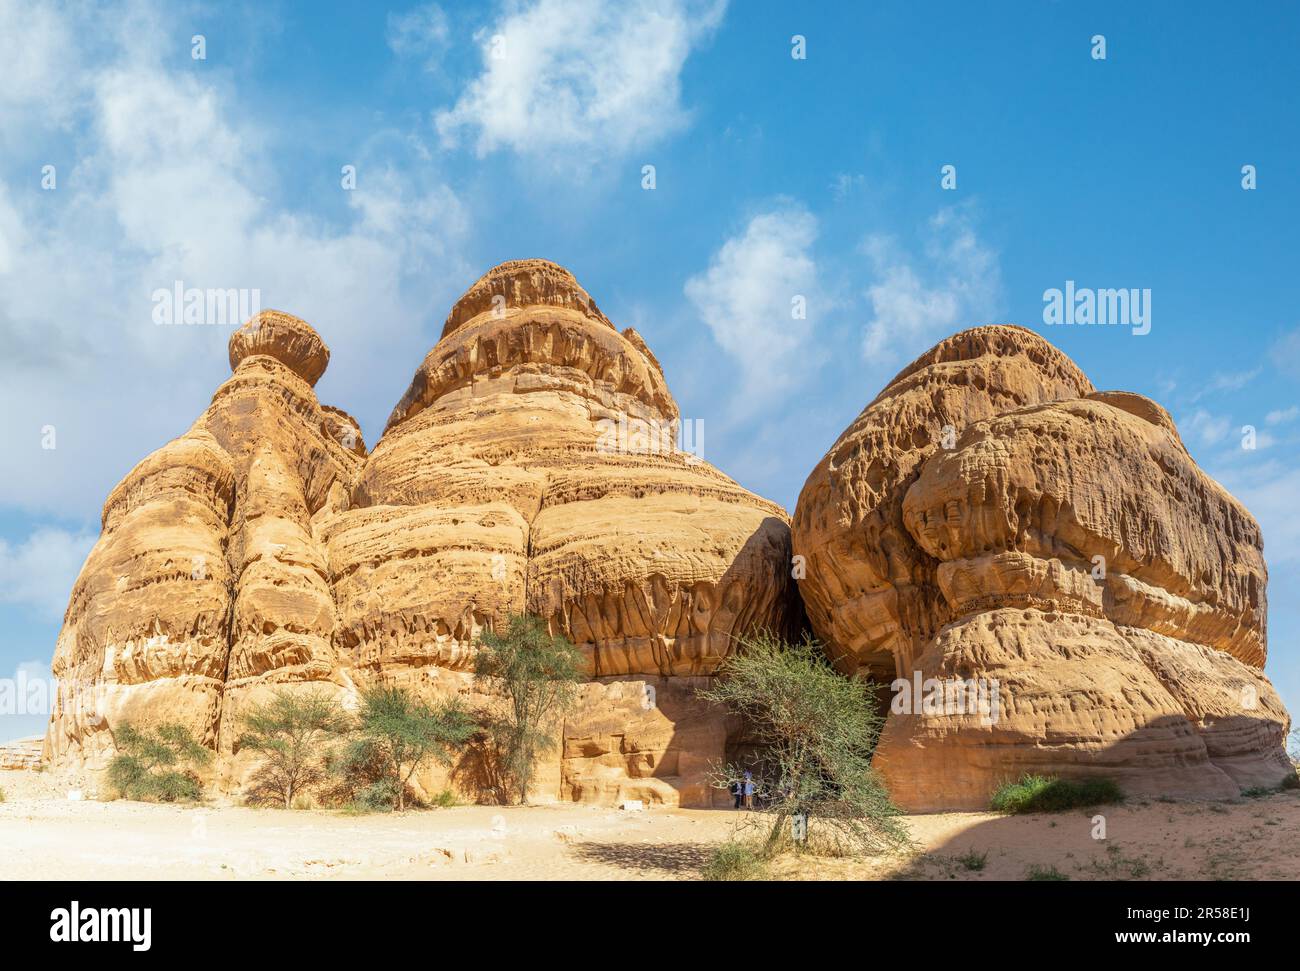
817,730
536,674
290,731
405,732
157,764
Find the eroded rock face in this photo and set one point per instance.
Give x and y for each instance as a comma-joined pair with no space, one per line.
530,466
990,517
207,584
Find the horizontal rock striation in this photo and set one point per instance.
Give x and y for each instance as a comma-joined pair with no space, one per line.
532,465
992,517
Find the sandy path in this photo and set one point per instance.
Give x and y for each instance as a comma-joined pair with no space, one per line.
44,835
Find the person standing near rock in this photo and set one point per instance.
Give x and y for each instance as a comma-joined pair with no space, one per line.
749,790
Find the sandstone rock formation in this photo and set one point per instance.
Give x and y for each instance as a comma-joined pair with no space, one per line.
530,466
991,517
22,753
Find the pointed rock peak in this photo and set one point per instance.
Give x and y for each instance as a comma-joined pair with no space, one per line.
523,283
288,339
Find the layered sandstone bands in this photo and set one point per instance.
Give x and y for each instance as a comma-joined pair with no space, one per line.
207,583
990,516
506,481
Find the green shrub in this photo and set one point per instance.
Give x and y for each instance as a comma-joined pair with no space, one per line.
156,765
444,800
379,797
1289,781
169,787
1037,872
535,675
396,733
815,730
734,861
401,732
974,861
1048,794
290,732
356,767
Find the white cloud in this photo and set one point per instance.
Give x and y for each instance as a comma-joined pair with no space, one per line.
844,183
577,81
1206,428
35,44
1231,381
914,302
1285,353
170,184
746,297
1270,492
39,572
422,32
1282,415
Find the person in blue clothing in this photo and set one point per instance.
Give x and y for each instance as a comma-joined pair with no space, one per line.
749,790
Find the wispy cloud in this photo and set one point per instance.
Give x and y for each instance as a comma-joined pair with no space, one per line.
1205,428
914,301
759,297
172,186
1221,382
844,183
422,33
39,571
1285,353
578,81
1271,491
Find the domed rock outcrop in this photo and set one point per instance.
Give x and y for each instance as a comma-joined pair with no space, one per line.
531,466
286,338
990,521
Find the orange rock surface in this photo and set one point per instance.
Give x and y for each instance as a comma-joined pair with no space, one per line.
991,519
531,466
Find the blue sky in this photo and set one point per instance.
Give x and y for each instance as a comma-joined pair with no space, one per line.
773,176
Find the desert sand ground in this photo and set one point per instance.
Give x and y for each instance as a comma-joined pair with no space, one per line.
44,835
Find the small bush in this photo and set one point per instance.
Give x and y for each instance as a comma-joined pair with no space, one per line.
1045,873
356,767
1291,781
974,861
1258,792
379,796
444,800
399,732
817,730
291,733
734,861
153,766
1048,794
